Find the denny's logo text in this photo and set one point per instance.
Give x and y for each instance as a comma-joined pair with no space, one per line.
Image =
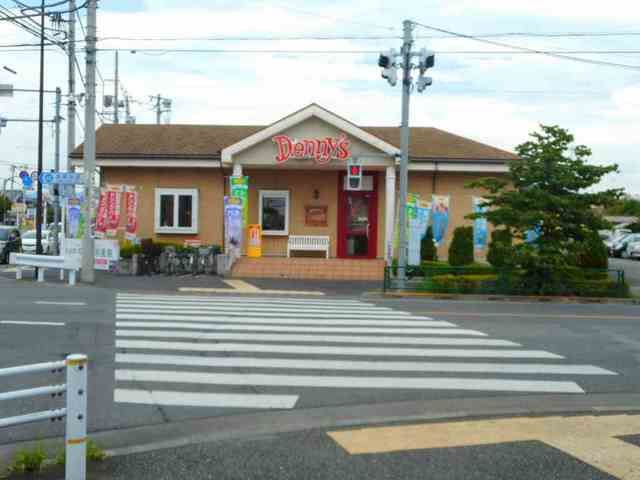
321,150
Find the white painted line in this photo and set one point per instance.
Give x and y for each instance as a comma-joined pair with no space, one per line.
258,292
44,324
303,328
249,313
259,308
490,384
71,304
357,365
187,399
224,299
285,321
287,337
338,350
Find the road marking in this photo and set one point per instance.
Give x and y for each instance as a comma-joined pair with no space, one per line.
284,321
242,286
304,329
530,315
188,399
44,324
244,300
304,364
328,350
257,308
285,337
589,439
71,304
349,382
244,313
261,292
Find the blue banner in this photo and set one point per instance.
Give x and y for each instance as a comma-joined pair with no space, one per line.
480,225
440,217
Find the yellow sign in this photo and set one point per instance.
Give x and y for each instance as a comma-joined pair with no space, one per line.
254,245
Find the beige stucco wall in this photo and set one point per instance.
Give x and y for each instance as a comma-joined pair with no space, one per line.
209,183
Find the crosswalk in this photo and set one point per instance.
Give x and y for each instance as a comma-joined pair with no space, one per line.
261,353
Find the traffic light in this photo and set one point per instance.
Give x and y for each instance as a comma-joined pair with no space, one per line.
386,61
354,175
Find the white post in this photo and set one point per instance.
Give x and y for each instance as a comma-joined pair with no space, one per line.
389,214
76,428
40,274
237,169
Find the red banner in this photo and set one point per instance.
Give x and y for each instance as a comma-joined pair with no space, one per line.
113,212
131,205
101,215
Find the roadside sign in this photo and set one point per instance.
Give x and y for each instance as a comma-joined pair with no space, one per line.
6,90
61,178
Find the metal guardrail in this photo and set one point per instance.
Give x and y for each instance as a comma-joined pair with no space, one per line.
485,280
41,262
75,411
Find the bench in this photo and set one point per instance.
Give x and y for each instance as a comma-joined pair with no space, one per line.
308,243
41,262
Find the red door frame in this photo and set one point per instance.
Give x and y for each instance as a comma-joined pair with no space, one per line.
373,217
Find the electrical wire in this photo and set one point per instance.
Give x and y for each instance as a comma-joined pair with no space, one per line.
561,56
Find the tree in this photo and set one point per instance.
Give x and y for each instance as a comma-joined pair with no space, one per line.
626,206
461,248
500,252
428,250
549,190
592,252
5,206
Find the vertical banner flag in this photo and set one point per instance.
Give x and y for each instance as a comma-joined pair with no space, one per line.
240,189
75,219
424,209
480,227
131,207
113,212
233,226
413,230
101,215
440,217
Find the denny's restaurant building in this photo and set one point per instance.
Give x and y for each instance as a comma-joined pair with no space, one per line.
296,168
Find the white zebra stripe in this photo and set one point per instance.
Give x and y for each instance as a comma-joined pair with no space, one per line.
190,399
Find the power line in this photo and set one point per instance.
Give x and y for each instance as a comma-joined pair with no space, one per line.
561,56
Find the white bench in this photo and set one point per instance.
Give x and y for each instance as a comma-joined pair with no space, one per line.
308,243
41,262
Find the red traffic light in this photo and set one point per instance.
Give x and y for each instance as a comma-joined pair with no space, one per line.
354,170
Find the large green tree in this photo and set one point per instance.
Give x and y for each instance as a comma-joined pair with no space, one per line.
549,189
5,205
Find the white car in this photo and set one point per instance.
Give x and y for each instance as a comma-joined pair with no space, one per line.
633,250
29,241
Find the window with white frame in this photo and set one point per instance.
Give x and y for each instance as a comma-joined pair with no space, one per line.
176,210
274,212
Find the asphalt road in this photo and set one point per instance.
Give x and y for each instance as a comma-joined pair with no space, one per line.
83,320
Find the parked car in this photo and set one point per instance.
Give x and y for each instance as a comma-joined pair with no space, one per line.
619,247
633,250
29,241
9,242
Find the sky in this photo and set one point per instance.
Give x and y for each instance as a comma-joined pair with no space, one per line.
497,98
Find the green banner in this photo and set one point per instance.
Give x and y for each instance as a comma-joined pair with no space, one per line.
240,189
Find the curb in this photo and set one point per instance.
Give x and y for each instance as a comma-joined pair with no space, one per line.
252,425
504,298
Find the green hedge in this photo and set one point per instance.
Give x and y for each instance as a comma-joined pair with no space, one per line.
461,248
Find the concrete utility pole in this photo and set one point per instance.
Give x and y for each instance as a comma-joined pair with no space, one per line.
56,198
88,273
40,139
158,109
71,105
116,105
404,146
389,65
163,105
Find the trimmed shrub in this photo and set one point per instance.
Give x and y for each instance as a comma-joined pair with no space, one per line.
460,283
500,249
461,248
428,250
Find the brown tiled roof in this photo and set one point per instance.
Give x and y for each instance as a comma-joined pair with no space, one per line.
207,141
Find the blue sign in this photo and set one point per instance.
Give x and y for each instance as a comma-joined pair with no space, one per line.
61,178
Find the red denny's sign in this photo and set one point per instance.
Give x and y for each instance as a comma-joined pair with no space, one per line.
322,150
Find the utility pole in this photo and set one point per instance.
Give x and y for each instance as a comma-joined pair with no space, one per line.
56,198
158,109
127,108
116,106
40,138
388,64
88,253
71,105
